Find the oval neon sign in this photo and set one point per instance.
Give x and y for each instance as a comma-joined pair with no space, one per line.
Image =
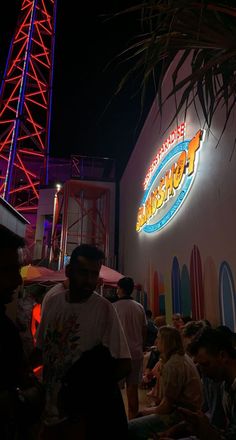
175,183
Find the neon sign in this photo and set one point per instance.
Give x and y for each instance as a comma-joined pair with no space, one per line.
173,137
173,183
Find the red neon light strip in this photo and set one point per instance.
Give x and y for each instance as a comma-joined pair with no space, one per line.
32,135
31,153
27,175
23,187
17,60
28,208
35,102
40,83
18,166
6,140
10,98
34,125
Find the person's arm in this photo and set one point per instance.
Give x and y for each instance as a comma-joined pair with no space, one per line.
201,425
180,430
114,338
164,407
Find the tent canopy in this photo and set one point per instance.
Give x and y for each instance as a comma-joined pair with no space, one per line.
39,274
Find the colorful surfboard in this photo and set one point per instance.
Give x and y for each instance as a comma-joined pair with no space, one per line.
175,285
186,300
210,283
162,294
227,296
196,282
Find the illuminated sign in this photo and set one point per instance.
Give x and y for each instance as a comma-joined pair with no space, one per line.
174,176
175,135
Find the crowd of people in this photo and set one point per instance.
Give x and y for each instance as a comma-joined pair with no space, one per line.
90,348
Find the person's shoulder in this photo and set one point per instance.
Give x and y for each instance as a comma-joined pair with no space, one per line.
99,299
58,288
188,360
175,359
54,294
139,306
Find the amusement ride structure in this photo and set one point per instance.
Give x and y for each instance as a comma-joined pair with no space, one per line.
25,105
25,117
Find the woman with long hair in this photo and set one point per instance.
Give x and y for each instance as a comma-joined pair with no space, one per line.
179,385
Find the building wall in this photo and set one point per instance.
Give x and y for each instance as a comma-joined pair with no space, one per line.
206,220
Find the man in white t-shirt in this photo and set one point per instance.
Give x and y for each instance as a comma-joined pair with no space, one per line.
74,322
134,322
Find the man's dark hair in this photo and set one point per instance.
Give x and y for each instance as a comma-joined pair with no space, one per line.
214,341
148,313
10,240
88,251
127,284
224,329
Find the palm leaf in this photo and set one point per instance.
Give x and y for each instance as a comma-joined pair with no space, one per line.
204,31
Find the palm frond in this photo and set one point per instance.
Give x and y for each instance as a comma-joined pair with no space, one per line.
203,32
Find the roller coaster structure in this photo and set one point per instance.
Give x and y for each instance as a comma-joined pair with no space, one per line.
25,105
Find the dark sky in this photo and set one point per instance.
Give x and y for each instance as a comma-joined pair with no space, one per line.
87,118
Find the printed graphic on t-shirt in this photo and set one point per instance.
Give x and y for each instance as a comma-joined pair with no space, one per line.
60,344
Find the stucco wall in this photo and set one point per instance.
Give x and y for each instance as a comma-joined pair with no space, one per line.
207,218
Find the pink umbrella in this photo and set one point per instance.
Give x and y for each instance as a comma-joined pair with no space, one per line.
39,274
109,276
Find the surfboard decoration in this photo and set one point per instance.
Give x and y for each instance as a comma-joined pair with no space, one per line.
156,307
210,283
227,296
185,288
196,282
175,285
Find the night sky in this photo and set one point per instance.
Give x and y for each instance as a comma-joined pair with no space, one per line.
87,117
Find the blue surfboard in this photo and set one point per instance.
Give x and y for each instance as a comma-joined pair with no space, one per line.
227,296
175,284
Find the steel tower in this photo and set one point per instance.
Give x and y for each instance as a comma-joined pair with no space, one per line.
25,105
